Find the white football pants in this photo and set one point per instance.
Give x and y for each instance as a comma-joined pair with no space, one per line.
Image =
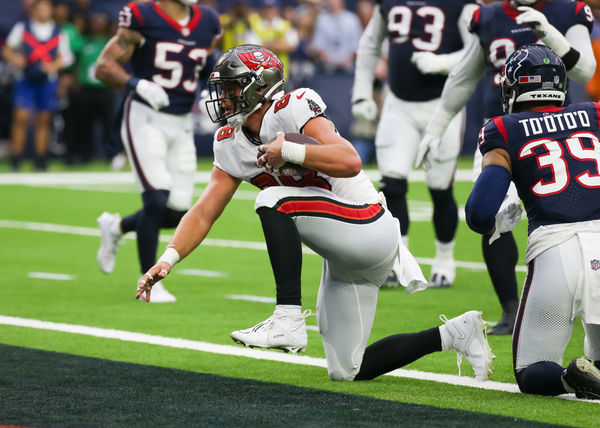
401,127
546,314
161,151
358,244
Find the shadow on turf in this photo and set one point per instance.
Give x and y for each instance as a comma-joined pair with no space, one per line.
40,388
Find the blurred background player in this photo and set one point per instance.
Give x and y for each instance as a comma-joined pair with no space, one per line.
425,42
333,208
167,43
552,155
501,28
37,47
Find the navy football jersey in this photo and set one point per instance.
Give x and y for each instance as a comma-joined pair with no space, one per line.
555,159
499,36
171,55
416,26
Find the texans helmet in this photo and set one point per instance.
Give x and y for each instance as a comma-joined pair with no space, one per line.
248,76
533,73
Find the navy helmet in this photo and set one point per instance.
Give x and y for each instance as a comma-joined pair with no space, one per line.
533,73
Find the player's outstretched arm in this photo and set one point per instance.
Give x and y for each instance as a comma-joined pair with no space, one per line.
459,86
574,47
488,192
118,51
192,228
367,57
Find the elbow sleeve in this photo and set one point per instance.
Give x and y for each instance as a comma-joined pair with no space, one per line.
486,197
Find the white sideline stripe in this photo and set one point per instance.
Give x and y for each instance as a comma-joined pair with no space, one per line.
126,177
48,275
238,351
199,272
226,243
248,298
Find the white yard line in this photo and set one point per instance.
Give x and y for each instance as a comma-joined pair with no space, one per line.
200,272
248,298
238,351
85,178
53,276
226,243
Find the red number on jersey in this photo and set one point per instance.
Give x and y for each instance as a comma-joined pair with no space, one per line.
225,132
264,180
282,103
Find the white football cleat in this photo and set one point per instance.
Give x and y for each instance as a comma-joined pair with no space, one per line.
466,335
159,294
110,239
281,330
443,273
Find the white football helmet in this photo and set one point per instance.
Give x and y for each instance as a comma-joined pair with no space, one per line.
188,2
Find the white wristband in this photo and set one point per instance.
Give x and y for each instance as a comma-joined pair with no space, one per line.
293,152
170,256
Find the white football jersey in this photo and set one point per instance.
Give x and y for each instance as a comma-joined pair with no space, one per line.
236,153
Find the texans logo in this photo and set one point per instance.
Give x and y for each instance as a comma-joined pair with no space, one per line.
255,60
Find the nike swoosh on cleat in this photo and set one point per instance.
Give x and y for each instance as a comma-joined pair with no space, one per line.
301,95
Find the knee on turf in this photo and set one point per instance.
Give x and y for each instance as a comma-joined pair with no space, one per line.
393,186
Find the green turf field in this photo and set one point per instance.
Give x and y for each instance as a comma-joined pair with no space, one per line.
49,227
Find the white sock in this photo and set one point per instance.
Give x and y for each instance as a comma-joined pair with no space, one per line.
444,250
291,310
446,338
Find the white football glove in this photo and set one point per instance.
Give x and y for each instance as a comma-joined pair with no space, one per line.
430,63
428,147
507,219
543,29
365,109
153,93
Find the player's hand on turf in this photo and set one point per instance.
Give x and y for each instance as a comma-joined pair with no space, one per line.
428,148
365,109
507,219
535,19
430,63
271,159
147,281
154,94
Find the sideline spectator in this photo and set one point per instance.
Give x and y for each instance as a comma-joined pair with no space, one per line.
93,102
36,47
236,26
276,33
335,42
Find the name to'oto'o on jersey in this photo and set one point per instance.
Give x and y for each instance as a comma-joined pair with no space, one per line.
555,122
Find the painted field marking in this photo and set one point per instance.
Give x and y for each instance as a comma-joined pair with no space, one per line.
126,177
266,355
53,276
249,298
224,243
200,272
239,351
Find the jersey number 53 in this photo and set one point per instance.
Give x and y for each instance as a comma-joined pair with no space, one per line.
174,69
